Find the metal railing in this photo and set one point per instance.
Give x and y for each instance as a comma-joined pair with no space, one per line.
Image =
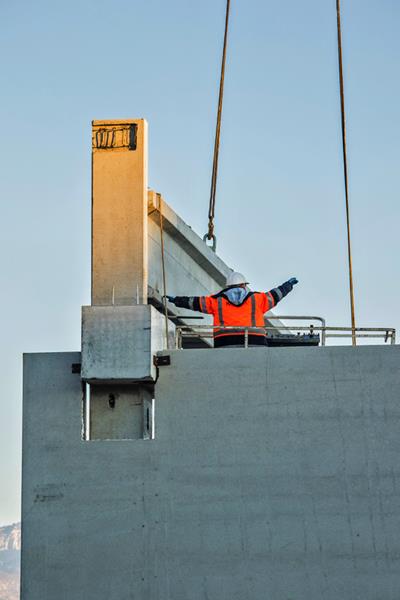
207,331
300,318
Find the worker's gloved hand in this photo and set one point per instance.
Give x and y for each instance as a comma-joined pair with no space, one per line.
288,286
170,299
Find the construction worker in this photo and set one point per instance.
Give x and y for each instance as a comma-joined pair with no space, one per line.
236,306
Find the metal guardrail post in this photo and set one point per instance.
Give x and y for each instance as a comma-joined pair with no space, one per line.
179,338
323,332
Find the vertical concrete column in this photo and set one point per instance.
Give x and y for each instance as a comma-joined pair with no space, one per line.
119,212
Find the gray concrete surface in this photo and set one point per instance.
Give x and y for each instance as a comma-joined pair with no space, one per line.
121,419
274,475
194,260
119,342
119,212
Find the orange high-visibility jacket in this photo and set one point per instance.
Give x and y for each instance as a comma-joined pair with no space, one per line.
248,314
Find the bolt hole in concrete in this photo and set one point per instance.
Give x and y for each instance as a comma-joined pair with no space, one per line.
125,413
111,401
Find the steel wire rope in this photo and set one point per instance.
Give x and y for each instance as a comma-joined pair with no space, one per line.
164,277
210,235
345,171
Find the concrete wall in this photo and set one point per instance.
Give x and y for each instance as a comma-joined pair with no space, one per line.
274,474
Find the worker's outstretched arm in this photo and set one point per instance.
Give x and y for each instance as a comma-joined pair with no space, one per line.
276,294
198,303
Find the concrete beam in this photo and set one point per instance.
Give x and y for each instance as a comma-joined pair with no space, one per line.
187,239
192,268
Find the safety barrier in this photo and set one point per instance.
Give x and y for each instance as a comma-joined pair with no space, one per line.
205,332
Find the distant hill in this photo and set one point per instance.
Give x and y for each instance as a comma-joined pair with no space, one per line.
10,552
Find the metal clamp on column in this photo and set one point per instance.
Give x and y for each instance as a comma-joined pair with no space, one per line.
162,361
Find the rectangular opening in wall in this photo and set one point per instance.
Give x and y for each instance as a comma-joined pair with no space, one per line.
118,412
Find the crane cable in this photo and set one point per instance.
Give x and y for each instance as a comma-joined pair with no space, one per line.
164,277
346,187
210,235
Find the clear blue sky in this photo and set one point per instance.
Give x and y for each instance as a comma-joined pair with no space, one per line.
280,205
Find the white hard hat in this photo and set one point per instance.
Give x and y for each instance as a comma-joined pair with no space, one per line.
235,278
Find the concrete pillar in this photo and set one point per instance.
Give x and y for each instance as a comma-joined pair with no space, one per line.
119,212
